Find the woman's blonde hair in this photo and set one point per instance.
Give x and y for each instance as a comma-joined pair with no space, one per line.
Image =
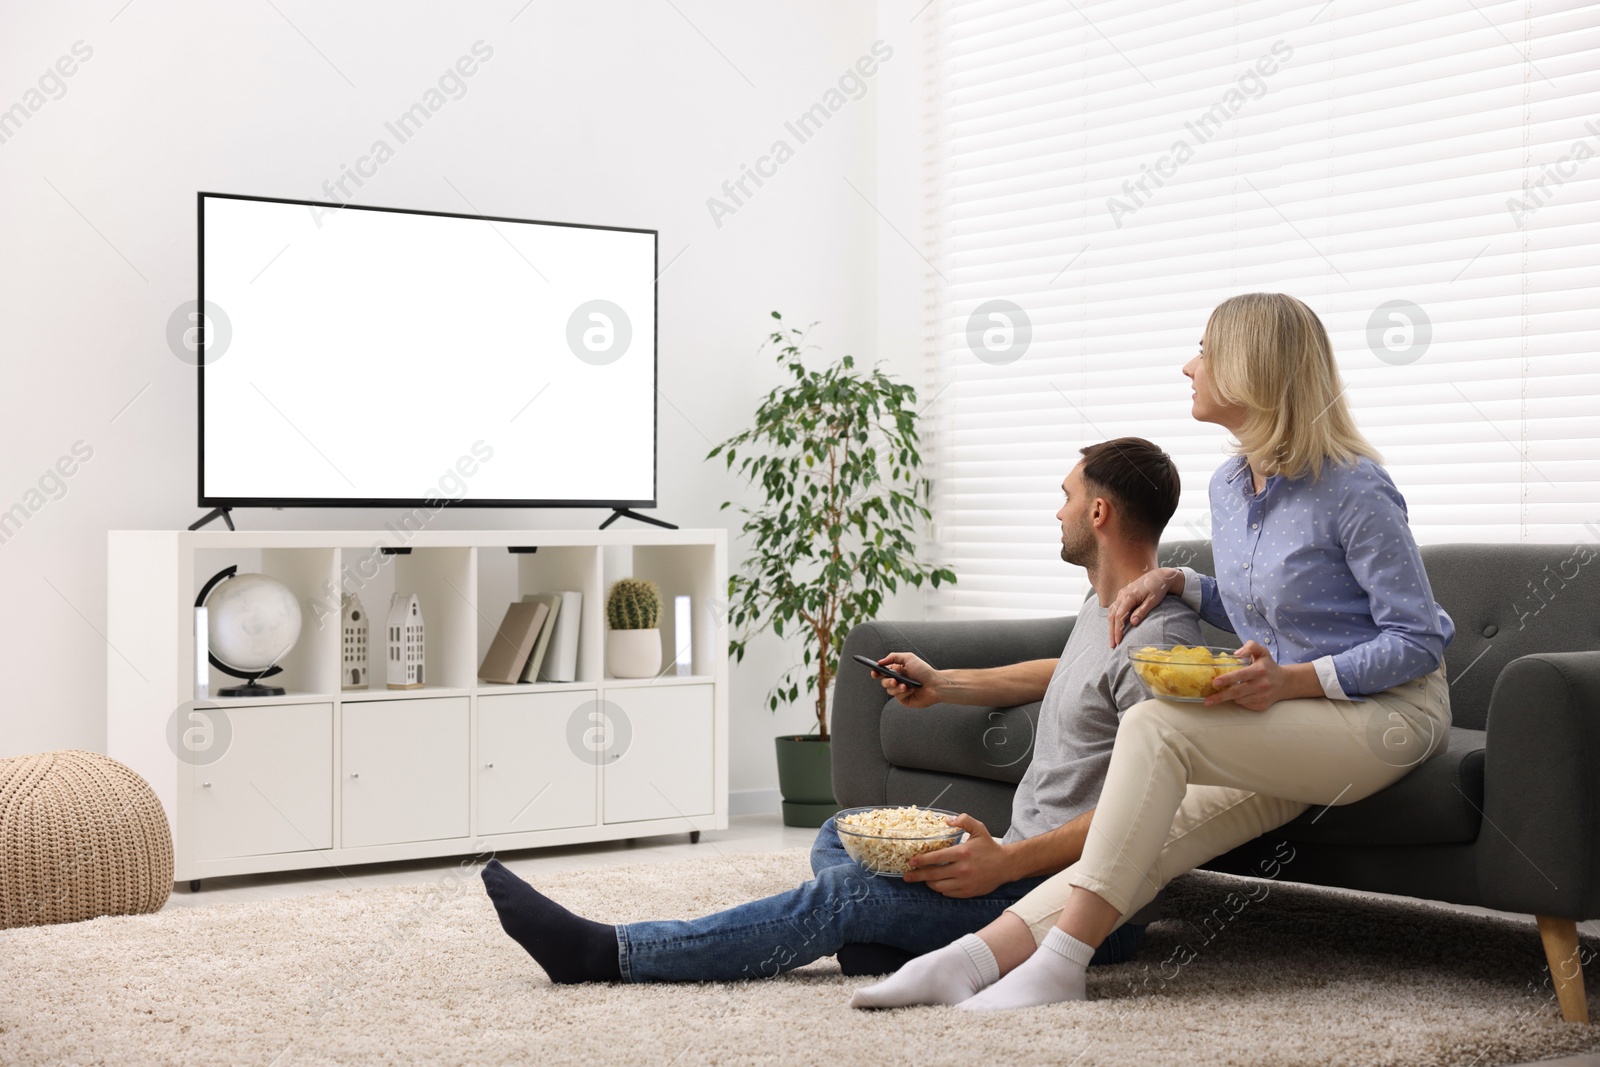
1270,354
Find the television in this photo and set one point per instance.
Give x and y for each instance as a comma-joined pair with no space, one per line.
373,356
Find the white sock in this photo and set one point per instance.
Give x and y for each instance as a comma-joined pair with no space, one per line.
1054,973
944,976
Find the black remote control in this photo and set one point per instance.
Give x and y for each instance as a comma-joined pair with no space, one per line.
891,672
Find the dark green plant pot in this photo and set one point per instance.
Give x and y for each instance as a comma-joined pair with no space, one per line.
805,778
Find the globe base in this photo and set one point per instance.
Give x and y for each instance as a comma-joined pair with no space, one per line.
252,691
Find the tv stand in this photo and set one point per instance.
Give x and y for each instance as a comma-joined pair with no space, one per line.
321,777
629,513
213,515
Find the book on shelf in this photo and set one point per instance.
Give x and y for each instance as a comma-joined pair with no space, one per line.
513,642
552,601
561,658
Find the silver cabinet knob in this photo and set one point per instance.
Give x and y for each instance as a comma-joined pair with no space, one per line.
205,785
488,766
355,774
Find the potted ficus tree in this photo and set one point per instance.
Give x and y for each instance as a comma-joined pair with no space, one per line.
834,454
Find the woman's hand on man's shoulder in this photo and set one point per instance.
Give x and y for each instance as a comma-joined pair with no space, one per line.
1136,600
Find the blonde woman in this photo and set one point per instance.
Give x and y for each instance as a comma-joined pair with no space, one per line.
1318,572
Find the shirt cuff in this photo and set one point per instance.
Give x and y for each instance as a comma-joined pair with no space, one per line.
1329,677
1191,594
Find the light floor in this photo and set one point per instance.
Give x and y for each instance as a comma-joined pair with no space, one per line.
745,834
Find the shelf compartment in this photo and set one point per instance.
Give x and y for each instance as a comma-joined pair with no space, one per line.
404,771
683,570
529,775
312,665
504,577
658,762
271,790
443,580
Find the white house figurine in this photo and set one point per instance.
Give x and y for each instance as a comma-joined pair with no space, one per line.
353,624
405,642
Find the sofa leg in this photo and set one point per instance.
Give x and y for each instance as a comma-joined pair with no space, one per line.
1560,937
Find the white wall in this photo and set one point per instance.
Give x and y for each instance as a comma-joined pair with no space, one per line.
624,113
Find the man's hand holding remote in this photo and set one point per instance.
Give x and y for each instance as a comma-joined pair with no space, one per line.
994,687
933,682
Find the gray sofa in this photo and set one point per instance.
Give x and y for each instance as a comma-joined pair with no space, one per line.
1507,816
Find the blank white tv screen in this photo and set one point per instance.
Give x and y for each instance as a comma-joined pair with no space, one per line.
371,356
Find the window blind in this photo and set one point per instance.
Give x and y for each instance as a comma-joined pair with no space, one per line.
1424,175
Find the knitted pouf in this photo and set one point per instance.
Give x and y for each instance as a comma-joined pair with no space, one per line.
81,835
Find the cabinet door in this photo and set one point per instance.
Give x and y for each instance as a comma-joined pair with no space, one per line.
531,775
657,758
403,771
272,788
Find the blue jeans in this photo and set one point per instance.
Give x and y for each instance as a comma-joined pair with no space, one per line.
842,905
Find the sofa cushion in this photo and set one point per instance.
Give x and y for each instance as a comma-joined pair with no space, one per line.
1510,601
988,802
995,744
1440,802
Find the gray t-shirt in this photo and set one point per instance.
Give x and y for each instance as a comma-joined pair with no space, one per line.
1091,688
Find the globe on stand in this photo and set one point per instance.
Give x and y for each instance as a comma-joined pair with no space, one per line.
252,623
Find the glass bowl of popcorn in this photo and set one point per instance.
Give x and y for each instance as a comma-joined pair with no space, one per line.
883,840
1183,672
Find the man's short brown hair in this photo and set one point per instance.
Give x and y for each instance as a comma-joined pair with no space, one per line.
1139,478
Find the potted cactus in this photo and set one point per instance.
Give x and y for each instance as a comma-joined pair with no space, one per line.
834,453
633,645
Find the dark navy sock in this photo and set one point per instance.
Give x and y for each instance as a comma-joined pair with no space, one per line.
569,948
860,960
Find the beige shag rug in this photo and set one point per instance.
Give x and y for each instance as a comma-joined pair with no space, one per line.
424,975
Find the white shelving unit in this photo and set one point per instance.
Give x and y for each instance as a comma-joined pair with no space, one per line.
325,777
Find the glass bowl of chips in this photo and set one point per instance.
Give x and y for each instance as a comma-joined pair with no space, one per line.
884,840
1183,672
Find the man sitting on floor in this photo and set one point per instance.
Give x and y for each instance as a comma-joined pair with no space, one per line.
1119,498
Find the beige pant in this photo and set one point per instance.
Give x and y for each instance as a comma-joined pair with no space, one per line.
1188,783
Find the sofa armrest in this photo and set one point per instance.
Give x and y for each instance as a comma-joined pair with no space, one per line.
1539,846
860,771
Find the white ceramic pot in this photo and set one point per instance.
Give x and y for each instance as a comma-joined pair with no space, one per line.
633,653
